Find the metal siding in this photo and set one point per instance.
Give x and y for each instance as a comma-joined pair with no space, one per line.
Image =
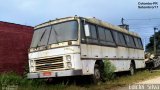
15,40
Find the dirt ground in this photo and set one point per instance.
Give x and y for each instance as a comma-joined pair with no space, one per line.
143,85
151,81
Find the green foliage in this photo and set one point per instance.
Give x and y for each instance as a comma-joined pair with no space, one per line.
14,79
109,69
32,82
10,79
149,46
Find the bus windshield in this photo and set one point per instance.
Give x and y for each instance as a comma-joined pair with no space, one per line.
54,34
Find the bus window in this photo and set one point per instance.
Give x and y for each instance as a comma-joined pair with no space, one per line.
122,40
102,37
36,37
65,31
116,38
101,34
129,41
93,32
93,37
136,42
105,37
45,35
132,41
109,38
140,43
119,38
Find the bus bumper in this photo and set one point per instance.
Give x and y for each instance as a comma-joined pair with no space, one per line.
49,74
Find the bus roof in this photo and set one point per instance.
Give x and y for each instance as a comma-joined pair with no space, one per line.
91,20
110,26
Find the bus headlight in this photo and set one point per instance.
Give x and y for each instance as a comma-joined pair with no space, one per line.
69,65
68,58
32,69
32,63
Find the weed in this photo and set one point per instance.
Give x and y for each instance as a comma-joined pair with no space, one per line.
10,79
109,69
39,84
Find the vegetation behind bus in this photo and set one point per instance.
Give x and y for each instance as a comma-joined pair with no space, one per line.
150,45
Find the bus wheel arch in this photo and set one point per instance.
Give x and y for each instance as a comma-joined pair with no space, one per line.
100,63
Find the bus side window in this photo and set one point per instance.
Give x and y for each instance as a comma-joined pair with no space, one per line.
136,42
129,41
140,43
122,39
93,39
132,42
101,34
109,38
115,36
119,38
102,37
93,32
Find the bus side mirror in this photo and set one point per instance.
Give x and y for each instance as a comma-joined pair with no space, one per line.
86,30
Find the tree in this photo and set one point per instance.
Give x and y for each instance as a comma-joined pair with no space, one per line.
150,45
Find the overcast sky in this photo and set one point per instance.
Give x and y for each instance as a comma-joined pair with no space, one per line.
33,12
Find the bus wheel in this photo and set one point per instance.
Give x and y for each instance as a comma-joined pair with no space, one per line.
132,69
96,77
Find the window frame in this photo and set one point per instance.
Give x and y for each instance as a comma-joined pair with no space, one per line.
51,30
105,42
141,44
100,35
111,31
130,44
124,41
89,39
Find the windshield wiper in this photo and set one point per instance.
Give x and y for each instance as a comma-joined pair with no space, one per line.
41,38
55,34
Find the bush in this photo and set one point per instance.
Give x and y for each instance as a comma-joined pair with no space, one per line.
109,69
10,79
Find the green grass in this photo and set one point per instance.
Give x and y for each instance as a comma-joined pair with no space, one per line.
119,81
127,79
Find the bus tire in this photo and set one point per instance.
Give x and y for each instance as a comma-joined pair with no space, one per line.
96,77
132,69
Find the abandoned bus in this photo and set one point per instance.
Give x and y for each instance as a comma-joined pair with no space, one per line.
74,46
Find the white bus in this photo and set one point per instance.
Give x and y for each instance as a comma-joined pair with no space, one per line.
74,46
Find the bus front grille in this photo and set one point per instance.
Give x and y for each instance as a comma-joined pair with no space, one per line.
49,64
